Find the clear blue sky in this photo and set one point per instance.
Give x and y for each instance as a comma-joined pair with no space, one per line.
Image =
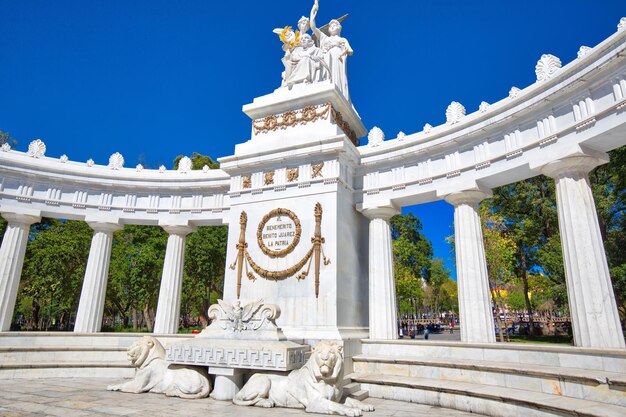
154,79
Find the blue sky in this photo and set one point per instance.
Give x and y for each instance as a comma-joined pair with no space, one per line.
154,79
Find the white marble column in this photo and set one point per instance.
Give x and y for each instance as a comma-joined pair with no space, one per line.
471,268
11,261
593,311
382,287
92,295
168,307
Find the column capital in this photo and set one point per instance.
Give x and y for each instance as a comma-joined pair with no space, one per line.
179,229
105,227
468,196
384,213
22,218
574,165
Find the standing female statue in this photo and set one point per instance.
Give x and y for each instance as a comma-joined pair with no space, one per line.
334,50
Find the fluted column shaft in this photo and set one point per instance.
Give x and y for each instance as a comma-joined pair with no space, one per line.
12,254
593,310
382,288
92,295
168,307
471,268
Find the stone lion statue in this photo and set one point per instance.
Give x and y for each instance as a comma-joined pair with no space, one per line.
316,386
155,375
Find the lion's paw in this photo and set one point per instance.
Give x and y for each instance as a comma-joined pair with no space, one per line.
265,403
354,412
366,407
113,388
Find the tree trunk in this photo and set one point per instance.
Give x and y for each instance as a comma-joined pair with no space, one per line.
35,319
135,319
529,308
146,315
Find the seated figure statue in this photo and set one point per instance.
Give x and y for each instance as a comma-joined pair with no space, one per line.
155,375
306,63
316,386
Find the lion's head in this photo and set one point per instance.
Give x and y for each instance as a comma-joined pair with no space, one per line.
144,351
327,359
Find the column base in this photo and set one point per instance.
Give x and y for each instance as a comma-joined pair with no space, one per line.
228,382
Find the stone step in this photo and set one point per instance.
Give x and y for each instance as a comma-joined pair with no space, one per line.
80,369
69,339
41,354
351,388
359,395
482,399
601,386
588,376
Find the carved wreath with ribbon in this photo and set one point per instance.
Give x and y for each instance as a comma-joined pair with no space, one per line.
314,255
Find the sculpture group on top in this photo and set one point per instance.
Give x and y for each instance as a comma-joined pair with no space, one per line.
317,57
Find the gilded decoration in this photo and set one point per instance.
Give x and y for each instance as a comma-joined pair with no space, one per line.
343,125
293,174
291,118
298,232
302,117
247,181
314,255
268,178
317,170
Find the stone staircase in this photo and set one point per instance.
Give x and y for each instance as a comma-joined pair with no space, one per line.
65,355
353,389
496,379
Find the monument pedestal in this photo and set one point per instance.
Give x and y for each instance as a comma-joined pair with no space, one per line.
295,238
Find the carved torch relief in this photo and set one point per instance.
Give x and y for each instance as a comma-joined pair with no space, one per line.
278,234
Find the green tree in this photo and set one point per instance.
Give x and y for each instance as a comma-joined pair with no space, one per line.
3,228
528,212
135,272
412,253
5,137
500,258
434,294
53,272
205,258
608,183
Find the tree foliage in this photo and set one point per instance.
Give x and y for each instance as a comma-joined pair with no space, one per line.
52,276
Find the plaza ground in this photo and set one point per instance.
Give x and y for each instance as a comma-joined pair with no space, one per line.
76,397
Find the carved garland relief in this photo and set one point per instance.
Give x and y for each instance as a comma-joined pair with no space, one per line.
303,116
291,118
314,255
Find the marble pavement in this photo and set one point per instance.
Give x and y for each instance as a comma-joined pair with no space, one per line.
75,397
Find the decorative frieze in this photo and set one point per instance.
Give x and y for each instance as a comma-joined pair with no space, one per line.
263,356
293,174
246,182
344,126
53,195
317,170
268,178
309,114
